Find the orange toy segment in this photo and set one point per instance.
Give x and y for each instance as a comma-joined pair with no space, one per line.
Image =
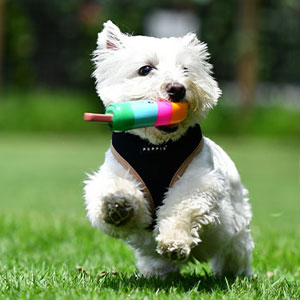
179,112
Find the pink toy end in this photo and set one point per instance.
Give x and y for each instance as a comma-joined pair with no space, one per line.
91,117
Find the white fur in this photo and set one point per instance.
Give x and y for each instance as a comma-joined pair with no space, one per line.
206,214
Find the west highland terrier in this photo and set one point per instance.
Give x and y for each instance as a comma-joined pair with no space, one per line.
173,195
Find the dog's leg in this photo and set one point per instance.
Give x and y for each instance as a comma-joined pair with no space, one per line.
235,257
185,213
117,209
155,265
235,253
180,231
149,262
115,204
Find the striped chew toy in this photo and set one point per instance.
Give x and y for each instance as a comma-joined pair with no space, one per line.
142,113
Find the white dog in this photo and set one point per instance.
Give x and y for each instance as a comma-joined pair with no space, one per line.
169,213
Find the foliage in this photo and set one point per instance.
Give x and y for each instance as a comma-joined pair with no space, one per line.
50,42
41,110
49,250
62,111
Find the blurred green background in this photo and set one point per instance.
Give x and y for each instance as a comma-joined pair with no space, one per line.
45,59
46,148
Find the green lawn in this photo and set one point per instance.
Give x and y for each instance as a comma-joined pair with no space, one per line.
49,250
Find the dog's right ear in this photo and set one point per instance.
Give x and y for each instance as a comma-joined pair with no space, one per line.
110,37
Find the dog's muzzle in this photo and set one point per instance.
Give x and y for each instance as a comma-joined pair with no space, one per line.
176,91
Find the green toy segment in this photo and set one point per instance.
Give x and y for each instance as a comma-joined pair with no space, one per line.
123,117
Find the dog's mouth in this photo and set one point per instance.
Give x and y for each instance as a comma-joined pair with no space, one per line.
168,129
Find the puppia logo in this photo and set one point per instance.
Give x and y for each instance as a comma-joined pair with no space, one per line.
153,149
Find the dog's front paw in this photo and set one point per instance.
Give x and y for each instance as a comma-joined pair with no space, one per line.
174,250
117,210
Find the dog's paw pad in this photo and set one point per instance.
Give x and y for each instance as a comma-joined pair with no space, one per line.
176,253
117,210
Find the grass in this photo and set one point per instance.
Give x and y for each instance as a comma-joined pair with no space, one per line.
49,250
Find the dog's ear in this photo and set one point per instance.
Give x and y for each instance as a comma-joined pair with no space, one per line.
207,89
110,37
191,39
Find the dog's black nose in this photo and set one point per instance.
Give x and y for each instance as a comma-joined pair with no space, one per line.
176,91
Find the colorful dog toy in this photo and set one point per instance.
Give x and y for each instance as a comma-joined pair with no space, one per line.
139,114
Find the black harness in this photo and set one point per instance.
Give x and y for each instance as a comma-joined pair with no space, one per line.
157,167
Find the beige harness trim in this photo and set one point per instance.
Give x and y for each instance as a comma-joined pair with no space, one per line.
186,163
139,179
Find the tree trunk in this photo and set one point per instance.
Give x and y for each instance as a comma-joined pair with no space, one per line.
248,52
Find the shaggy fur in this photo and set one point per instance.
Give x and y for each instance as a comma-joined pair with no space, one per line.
206,214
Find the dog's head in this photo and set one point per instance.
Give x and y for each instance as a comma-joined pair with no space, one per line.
139,67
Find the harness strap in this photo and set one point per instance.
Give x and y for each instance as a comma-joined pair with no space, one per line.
180,171
186,163
135,174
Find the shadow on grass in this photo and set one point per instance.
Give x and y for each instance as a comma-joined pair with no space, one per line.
180,283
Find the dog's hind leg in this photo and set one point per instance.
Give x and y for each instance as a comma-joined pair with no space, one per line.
234,258
155,265
149,262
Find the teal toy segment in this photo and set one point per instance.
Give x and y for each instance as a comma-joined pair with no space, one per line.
145,113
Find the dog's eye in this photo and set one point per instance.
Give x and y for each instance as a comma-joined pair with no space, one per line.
185,69
145,70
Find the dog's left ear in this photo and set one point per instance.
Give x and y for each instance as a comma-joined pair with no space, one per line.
208,90
191,39
110,37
